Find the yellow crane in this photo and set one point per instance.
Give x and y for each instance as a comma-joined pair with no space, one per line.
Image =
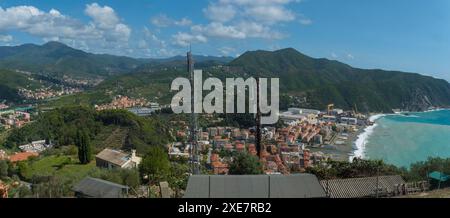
330,107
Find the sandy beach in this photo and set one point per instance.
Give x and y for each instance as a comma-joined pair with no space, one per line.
342,152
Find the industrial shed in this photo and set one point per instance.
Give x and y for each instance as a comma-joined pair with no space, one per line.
254,186
361,187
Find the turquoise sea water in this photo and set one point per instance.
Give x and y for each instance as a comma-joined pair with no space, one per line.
404,139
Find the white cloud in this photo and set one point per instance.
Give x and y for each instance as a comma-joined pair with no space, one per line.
242,19
219,12
183,22
257,30
334,55
219,30
226,51
257,2
6,38
163,20
105,17
241,30
104,32
304,20
184,39
270,13
350,56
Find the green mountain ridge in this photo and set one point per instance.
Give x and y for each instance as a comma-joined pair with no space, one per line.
11,82
58,59
304,81
324,81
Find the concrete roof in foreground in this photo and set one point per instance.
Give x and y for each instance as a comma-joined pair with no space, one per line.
254,186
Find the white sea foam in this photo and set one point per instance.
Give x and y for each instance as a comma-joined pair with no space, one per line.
361,140
375,117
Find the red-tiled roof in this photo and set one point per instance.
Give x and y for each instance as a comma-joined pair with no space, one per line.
22,156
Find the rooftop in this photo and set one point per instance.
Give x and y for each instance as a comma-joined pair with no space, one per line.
98,188
113,156
254,186
22,156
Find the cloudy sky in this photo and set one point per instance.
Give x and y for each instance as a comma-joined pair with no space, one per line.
407,35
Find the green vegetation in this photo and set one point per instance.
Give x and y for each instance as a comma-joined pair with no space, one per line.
3,169
83,143
245,164
46,166
304,81
357,168
61,125
365,168
323,81
11,81
54,175
58,59
155,164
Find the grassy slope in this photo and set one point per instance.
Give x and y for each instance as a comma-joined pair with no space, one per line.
65,166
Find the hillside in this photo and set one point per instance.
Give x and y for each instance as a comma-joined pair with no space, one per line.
121,129
11,81
324,81
57,59
318,81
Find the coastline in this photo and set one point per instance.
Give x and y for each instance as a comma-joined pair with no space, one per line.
358,143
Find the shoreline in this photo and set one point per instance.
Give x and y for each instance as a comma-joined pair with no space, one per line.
359,142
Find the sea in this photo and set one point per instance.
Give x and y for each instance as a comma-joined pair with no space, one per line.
405,138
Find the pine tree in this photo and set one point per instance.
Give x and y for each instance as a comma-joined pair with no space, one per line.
84,147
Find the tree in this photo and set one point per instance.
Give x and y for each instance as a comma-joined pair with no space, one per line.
3,169
83,143
245,164
155,164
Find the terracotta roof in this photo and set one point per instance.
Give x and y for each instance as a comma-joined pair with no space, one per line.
22,156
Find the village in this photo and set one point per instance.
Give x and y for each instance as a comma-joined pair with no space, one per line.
47,92
14,118
308,138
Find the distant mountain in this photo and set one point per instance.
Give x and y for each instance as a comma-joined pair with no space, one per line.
322,81
304,81
58,59
197,58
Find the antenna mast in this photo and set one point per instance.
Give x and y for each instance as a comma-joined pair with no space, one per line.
258,121
193,125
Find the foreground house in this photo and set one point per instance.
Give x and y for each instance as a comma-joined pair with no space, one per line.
97,188
254,186
109,158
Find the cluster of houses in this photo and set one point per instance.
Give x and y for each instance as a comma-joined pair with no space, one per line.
284,149
36,146
47,92
123,102
14,118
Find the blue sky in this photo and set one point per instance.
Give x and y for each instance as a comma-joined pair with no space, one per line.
406,35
